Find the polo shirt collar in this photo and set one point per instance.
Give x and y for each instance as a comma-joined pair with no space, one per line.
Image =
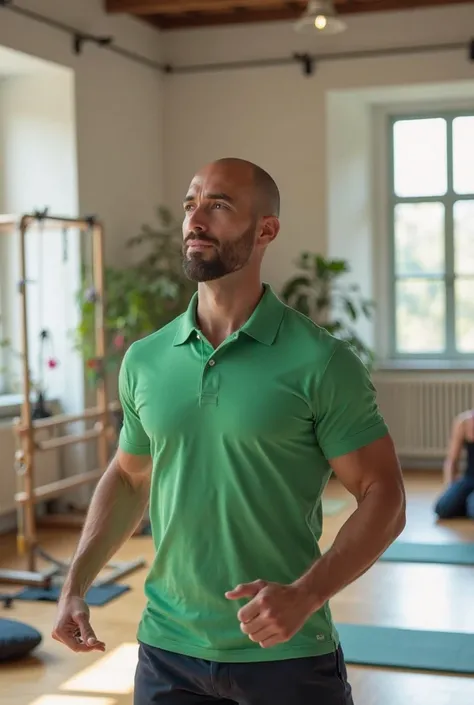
262,325
265,321
187,325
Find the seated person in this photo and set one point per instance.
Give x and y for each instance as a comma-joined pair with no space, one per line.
458,498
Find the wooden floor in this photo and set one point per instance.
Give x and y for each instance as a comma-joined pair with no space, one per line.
412,596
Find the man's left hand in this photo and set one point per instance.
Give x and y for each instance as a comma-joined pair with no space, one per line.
275,612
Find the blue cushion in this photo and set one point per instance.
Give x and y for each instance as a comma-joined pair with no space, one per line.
17,639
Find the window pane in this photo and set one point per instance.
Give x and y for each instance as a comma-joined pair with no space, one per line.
464,237
420,313
420,157
419,238
465,315
463,154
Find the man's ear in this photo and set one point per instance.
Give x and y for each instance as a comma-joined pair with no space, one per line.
270,229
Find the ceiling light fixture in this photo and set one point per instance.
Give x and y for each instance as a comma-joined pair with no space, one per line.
320,17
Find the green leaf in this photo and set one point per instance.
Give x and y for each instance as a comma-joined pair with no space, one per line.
338,266
333,328
368,308
302,305
350,309
165,215
304,261
321,294
293,287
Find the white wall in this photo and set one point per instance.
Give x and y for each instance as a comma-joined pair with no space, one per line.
111,165
279,118
349,216
118,110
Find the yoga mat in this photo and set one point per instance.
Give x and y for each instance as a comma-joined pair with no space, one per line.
448,652
449,553
333,506
95,596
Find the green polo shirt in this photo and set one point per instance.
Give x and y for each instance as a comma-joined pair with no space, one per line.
241,437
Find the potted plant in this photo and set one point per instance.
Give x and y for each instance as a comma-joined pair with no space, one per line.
140,298
47,362
320,292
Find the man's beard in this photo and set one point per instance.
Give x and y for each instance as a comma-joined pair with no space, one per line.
226,258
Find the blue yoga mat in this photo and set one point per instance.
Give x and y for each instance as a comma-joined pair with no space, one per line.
95,596
449,553
448,652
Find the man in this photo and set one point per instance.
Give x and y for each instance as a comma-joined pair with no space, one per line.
235,414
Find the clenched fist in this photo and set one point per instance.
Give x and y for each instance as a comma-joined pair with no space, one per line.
274,614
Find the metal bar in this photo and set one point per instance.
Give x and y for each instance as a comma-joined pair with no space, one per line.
318,58
48,21
77,33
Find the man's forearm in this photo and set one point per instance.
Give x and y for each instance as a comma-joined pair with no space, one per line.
376,523
115,511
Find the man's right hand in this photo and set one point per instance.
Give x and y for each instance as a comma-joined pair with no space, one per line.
73,626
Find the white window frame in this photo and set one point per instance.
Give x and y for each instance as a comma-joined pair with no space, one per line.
450,354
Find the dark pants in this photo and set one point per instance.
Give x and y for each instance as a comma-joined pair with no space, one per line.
164,678
457,501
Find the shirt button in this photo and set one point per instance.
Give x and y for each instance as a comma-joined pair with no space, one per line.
198,337
212,363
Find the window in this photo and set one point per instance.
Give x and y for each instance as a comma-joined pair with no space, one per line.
432,236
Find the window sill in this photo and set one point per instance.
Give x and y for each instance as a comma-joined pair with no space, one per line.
10,405
426,365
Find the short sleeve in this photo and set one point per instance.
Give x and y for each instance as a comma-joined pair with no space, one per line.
347,416
133,438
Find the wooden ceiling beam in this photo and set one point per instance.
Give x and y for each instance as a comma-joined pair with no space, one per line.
212,20
348,7
158,7
188,13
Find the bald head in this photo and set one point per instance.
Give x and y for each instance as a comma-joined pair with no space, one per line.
231,215
266,190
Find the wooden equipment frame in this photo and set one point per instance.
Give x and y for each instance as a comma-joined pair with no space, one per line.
25,427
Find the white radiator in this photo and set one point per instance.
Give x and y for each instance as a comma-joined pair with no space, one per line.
420,409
